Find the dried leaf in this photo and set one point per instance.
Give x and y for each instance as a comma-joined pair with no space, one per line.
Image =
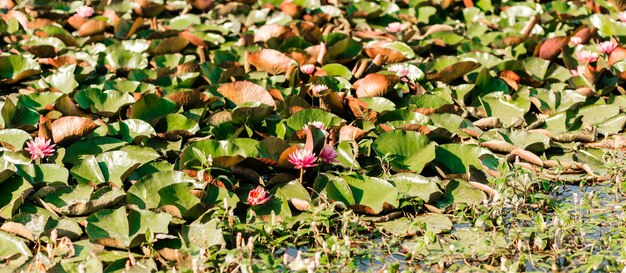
617,55
349,132
17,229
488,122
551,48
76,21
283,160
333,102
527,156
271,61
267,32
375,85
244,91
69,129
454,71
299,204
65,105
92,27
585,34
498,146
197,41
191,99
202,4
390,55
171,45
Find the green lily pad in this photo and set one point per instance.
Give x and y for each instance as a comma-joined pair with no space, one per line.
536,143
147,191
405,150
82,200
14,137
119,229
18,116
119,58
203,235
306,116
458,191
132,130
224,153
337,70
63,79
92,146
343,50
106,103
43,173
151,106
15,68
362,193
88,170
414,185
295,192
458,158
39,100
15,189
118,165
13,246
177,124
596,114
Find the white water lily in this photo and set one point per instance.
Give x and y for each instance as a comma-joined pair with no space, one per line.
407,72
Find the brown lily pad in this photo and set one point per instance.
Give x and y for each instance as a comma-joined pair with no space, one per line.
244,91
375,85
271,61
551,48
191,99
68,129
171,45
390,55
267,32
454,71
617,55
92,27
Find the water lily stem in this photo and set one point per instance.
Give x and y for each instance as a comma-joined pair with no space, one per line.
301,176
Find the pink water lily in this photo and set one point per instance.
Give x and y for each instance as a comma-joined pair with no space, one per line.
318,124
84,11
307,69
317,88
576,40
586,56
302,158
406,72
39,147
328,155
258,196
607,47
579,71
622,16
395,27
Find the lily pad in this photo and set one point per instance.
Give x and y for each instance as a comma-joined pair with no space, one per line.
461,192
15,68
146,192
405,150
151,106
121,229
106,103
362,193
414,185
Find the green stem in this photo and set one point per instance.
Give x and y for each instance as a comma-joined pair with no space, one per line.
301,175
